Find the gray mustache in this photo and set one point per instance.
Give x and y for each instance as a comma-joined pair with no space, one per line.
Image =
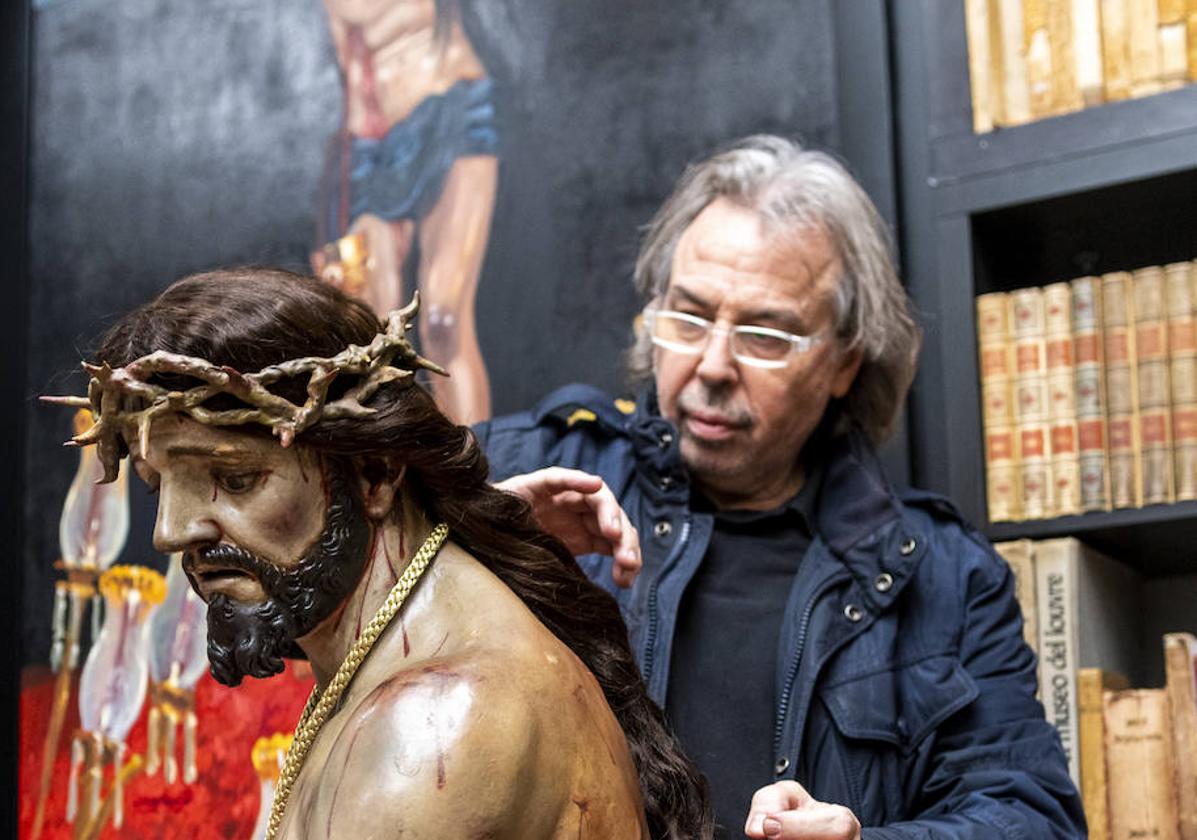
714,404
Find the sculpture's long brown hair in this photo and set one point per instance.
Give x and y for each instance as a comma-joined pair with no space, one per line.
250,318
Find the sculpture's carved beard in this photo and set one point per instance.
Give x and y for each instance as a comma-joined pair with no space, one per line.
253,638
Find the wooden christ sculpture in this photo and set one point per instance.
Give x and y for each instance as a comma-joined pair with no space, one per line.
470,681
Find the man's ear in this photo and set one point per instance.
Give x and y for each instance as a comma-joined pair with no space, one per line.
379,478
845,375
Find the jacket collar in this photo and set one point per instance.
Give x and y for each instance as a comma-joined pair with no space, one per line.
860,519
658,459
864,524
856,498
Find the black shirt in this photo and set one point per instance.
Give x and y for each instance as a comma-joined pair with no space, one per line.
722,679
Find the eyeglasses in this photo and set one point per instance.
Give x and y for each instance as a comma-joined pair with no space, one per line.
760,347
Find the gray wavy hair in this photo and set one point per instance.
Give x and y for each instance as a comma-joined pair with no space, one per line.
793,189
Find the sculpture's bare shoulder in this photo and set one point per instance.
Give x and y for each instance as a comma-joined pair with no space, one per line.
469,719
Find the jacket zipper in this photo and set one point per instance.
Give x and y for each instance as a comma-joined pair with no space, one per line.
650,636
783,705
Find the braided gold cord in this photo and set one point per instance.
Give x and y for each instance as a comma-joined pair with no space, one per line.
320,704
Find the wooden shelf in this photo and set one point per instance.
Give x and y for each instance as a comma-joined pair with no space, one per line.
1159,540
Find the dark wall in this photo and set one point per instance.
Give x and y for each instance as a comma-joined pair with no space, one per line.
14,323
172,136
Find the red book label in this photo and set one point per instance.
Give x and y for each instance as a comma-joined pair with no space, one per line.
1000,446
1182,336
1121,436
1087,349
1059,353
1092,435
994,362
1063,440
1117,348
1184,424
1149,340
1028,358
1032,441
1155,429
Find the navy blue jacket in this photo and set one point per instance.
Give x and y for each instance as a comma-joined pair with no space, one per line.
904,688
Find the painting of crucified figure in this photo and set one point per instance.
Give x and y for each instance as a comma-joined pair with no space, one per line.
410,179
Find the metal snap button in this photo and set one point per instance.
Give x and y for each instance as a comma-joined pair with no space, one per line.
853,613
884,582
782,765
665,439
663,528
907,547
665,483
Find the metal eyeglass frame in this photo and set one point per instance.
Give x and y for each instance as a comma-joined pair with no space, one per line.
798,343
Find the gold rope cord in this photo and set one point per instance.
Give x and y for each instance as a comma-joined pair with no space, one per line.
320,705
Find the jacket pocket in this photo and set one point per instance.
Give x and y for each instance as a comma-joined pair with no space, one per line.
900,706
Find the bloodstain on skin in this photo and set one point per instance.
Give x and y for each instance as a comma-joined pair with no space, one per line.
215,489
386,552
437,674
374,535
437,679
441,645
406,641
583,812
332,805
339,614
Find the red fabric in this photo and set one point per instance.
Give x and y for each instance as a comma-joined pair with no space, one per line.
223,803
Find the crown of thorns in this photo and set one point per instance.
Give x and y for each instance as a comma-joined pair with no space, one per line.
389,357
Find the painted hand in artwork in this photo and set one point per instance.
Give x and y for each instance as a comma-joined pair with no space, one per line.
580,510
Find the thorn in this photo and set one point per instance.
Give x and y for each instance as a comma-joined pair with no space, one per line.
143,434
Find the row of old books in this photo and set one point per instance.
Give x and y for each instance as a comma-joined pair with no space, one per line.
1089,393
1030,59
1132,752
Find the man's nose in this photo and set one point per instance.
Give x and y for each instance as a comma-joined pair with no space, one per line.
716,363
181,523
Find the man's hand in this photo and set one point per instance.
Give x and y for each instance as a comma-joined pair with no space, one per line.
581,511
785,811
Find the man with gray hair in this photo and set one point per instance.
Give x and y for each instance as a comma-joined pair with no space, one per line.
853,651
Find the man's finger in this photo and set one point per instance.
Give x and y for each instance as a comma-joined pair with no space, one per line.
570,500
817,822
547,482
772,799
780,796
624,572
552,480
607,511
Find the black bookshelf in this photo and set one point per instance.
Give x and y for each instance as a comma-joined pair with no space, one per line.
1112,187
1162,539
1103,131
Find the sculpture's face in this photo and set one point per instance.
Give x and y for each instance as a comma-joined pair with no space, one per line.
273,539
